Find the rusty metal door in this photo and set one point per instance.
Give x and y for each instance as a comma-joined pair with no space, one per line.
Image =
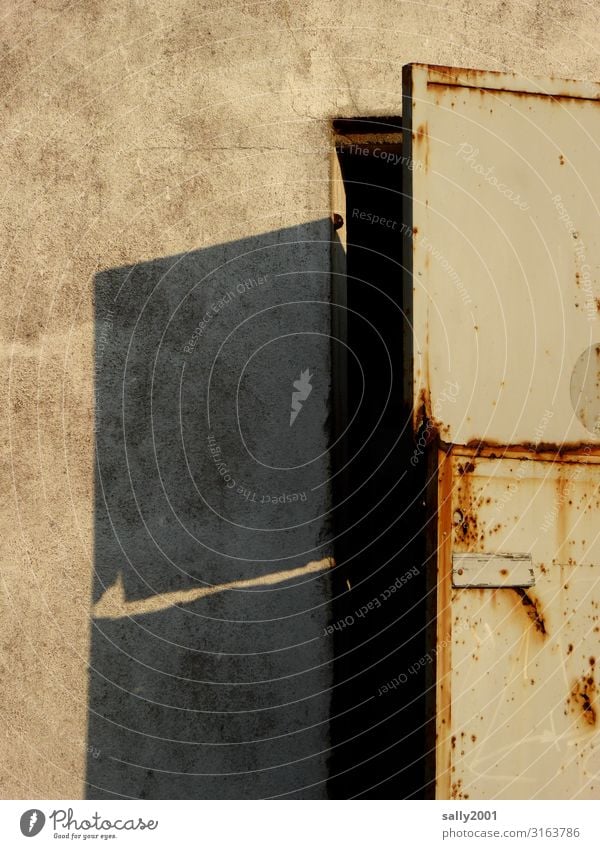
502,353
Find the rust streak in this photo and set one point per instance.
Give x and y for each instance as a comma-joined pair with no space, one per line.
565,452
532,609
582,697
561,519
421,138
444,629
504,91
467,532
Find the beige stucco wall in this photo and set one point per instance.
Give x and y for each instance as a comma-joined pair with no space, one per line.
131,131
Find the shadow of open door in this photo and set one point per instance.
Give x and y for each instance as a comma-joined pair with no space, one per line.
210,674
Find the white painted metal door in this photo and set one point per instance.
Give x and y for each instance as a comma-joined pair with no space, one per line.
502,292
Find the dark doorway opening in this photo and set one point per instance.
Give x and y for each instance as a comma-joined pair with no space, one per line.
381,709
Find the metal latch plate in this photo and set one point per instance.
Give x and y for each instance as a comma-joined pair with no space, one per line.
492,570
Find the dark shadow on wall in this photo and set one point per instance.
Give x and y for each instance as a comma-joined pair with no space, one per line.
219,666
210,672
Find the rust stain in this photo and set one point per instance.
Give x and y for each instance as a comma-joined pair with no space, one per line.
422,410
561,159
421,139
466,532
519,94
426,424
457,792
532,609
535,449
454,73
493,450
444,627
561,517
582,698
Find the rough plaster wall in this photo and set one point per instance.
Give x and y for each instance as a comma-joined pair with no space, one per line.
140,130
